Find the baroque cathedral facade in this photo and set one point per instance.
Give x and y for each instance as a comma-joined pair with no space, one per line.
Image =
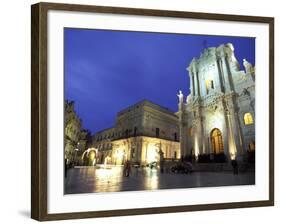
218,116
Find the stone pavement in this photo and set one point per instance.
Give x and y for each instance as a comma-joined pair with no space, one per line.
110,179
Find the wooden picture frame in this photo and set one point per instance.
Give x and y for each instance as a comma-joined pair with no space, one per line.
39,110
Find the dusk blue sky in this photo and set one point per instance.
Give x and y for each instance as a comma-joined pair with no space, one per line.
107,71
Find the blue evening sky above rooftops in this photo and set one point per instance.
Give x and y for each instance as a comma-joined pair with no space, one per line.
107,71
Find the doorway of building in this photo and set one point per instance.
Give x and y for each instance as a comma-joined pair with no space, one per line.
216,140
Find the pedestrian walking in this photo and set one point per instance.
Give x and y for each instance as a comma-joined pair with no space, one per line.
161,162
234,166
65,167
127,168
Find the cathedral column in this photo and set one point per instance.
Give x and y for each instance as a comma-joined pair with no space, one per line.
225,73
199,135
232,151
226,128
218,77
202,129
234,132
197,82
236,129
191,77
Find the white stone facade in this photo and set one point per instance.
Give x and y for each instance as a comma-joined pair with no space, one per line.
219,114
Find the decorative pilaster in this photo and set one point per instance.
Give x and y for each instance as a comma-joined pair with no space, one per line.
236,128
200,131
234,137
197,82
219,78
224,70
191,77
194,78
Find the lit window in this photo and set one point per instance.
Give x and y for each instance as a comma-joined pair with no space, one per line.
248,119
209,85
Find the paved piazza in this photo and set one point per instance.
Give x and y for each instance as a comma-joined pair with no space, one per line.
111,179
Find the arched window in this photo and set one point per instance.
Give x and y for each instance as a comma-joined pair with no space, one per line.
248,119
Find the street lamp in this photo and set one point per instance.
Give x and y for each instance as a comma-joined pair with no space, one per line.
76,151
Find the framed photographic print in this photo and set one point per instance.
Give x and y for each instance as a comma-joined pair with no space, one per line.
141,111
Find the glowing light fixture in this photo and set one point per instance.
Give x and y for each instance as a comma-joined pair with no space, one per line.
196,146
119,154
151,153
248,119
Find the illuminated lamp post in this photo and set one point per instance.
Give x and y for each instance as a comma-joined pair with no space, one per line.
75,158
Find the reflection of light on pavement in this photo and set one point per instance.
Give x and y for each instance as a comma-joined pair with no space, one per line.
103,173
108,178
151,179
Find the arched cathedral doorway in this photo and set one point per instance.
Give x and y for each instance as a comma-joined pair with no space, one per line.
216,140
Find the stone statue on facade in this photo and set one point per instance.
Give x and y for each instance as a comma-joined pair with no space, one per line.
180,96
248,66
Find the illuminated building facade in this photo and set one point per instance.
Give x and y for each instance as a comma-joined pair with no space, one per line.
102,142
218,116
72,131
143,133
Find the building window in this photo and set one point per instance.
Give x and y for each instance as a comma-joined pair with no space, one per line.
175,136
209,85
135,131
248,119
157,132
